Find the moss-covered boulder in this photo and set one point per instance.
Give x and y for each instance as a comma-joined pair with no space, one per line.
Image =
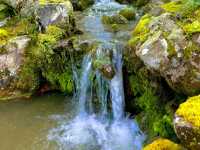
164,45
187,123
114,19
128,13
163,144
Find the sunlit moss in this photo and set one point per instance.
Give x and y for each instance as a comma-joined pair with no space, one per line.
141,31
192,27
173,6
190,110
163,144
3,36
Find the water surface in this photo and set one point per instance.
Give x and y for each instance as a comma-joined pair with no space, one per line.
24,124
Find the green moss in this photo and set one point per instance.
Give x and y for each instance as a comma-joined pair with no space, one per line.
115,19
142,26
163,144
184,7
174,6
3,36
154,117
190,49
141,31
55,31
190,110
128,13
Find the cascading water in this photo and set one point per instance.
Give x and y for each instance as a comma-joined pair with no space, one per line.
107,129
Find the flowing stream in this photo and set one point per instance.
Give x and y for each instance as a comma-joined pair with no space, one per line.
103,129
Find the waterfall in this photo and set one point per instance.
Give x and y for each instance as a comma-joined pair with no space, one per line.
108,128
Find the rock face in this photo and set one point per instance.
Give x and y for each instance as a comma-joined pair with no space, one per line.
162,46
11,61
55,13
187,123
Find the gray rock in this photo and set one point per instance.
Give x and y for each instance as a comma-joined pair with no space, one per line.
54,13
11,61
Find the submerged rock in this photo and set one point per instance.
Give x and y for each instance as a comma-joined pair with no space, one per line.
187,123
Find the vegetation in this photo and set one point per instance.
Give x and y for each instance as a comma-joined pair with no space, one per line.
190,110
163,144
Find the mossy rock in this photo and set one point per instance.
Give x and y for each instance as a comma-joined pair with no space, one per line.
163,144
128,13
187,123
114,19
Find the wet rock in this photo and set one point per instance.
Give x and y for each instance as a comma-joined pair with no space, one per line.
187,123
103,62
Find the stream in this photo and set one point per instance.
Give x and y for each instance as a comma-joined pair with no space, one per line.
55,122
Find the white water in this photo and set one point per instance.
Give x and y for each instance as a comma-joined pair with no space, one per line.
107,129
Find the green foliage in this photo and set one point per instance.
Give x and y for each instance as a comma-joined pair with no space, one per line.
154,117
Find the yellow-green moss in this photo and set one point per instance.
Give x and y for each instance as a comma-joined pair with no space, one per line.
55,31
142,25
141,31
172,6
192,27
163,144
3,36
190,110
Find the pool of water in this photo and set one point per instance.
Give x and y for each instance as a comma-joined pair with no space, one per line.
24,124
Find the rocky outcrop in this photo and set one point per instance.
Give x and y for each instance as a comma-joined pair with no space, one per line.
187,123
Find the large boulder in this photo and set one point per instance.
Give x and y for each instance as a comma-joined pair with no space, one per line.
163,47
55,13
187,123
11,60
